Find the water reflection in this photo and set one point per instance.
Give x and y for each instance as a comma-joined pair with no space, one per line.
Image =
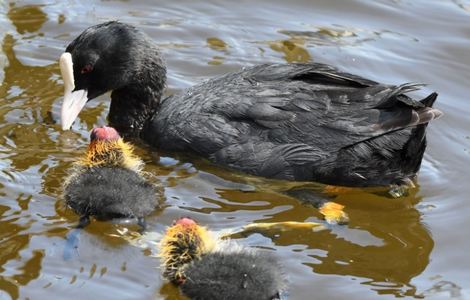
293,49
11,244
339,36
325,36
27,146
385,245
20,111
220,46
27,18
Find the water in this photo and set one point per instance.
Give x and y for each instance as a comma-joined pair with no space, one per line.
413,247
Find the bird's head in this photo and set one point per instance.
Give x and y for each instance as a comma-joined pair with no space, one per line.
183,242
108,149
107,57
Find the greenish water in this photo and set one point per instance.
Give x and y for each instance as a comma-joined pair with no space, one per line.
413,247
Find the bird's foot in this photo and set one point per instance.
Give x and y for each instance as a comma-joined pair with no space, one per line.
84,221
334,213
401,189
281,226
334,189
143,224
273,227
71,244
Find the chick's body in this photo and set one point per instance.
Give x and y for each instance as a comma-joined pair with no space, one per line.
207,268
107,182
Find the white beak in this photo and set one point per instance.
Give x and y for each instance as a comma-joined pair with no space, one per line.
73,101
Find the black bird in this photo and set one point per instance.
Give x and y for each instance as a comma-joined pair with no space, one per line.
210,269
305,121
107,182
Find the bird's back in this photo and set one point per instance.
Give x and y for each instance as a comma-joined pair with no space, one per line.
298,122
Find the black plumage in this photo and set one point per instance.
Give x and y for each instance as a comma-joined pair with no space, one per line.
110,192
247,274
288,121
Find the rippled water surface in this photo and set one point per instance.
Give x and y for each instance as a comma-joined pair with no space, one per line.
415,247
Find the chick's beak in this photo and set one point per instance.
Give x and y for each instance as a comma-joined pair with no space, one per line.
74,101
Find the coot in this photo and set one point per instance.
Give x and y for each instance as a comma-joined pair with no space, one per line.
206,268
305,121
107,182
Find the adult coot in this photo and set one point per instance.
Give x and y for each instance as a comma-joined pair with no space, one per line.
107,181
207,268
305,121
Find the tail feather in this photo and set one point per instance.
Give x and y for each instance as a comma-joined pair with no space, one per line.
428,113
408,87
416,145
397,94
424,115
429,100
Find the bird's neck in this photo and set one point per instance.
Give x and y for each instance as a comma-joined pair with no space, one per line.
134,104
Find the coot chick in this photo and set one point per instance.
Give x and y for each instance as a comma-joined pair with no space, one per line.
206,268
107,182
307,121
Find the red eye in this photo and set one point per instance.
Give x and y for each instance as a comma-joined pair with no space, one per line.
87,69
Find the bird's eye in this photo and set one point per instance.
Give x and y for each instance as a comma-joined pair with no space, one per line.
87,69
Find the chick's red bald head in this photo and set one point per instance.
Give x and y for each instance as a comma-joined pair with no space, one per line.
104,133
